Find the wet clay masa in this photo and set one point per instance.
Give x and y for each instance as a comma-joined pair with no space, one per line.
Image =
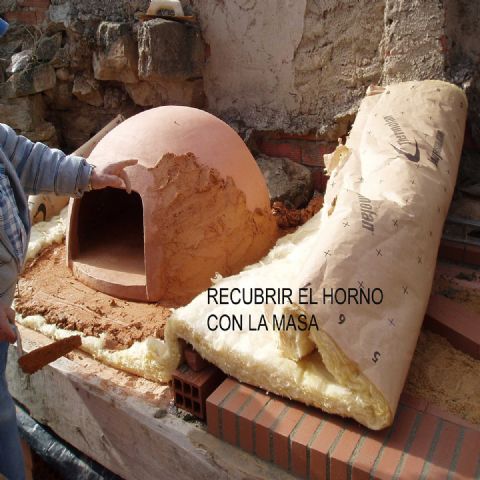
48,288
203,226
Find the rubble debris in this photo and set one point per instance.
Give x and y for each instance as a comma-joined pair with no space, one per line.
289,218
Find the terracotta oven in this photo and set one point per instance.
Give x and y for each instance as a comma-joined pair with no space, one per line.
199,206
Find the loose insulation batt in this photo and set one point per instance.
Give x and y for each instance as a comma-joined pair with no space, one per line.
387,197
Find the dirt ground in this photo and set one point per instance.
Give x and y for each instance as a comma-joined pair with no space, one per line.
48,288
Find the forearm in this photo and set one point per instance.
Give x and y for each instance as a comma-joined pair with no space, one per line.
42,169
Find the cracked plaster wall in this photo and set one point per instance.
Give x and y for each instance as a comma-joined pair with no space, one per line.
303,65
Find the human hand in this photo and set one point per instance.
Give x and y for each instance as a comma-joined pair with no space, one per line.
7,319
112,175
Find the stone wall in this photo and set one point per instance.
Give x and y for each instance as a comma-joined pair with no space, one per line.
288,74
303,65
68,67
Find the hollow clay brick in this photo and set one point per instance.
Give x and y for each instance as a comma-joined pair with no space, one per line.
194,360
191,389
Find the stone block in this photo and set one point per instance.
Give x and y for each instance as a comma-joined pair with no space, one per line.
61,14
44,132
22,114
88,90
287,181
20,61
144,94
169,50
117,55
48,47
29,81
60,97
168,92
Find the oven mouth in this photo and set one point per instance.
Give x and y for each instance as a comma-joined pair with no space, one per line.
110,238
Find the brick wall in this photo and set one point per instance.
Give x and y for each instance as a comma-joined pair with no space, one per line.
29,12
423,442
307,150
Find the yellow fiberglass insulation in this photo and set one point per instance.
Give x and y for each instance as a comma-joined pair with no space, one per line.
378,234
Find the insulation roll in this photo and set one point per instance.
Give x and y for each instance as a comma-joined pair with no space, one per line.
367,261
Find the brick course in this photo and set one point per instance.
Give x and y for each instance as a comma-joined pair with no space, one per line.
312,444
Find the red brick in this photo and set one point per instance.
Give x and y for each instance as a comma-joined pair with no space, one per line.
213,402
319,179
263,423
34,3
40,15
229,412
450,417
367,454
472,255
281,434
329,431
193,388
194,360
342,452
468,458
281,148
313,152
27,18
299,443
393,450
257,401
419,404
444,450
458,324
414,460
451,251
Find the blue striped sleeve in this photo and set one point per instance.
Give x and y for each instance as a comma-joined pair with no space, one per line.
42,169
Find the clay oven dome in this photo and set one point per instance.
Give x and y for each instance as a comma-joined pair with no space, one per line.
199,205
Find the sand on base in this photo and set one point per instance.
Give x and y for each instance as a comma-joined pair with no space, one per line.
446,377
